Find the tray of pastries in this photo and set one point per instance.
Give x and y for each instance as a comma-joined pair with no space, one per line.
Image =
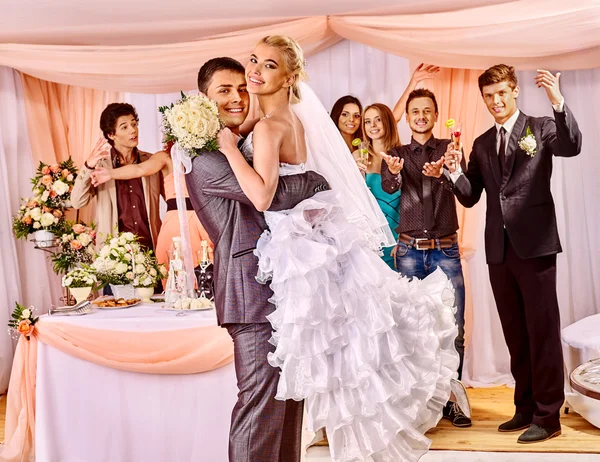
108,302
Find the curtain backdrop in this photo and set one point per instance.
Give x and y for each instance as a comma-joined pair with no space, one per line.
528,33
25,276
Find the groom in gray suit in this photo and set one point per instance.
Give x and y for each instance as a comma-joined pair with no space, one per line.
263,429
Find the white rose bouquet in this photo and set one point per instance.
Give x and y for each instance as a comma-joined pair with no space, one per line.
116,261
80,277
193,122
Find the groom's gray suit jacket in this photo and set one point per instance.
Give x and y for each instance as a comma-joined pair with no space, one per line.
234,225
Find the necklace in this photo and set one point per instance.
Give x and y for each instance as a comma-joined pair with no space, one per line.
270,113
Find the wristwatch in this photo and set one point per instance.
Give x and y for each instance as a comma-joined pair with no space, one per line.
87,166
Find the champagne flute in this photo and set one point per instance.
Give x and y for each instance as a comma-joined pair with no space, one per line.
455,135
456,132
363,152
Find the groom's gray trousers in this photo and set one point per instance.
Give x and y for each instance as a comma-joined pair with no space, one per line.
263,429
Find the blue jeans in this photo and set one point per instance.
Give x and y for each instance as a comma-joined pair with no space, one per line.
420,263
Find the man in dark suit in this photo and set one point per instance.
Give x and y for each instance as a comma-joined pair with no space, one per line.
263,429
512,161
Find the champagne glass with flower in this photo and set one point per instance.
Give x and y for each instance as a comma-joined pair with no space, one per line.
455,128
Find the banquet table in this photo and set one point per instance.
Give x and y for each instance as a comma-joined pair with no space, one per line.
86,412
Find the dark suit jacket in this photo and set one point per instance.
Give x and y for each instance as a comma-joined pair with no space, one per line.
520,198
234,225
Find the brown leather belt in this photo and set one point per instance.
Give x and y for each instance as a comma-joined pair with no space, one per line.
429,244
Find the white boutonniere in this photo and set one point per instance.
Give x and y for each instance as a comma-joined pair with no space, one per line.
528,143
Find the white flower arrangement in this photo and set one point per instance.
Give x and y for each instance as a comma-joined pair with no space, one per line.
116,259
528,143
193,122
122,261
147,271
80,277
35,216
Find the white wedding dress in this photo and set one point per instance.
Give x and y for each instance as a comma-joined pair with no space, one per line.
371,353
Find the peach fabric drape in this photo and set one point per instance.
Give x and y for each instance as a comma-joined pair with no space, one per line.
159,352
153,69
64,121
529,34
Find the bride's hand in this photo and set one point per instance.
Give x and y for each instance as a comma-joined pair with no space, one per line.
227,141
100,175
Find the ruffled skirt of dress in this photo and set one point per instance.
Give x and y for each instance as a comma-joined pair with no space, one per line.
370,352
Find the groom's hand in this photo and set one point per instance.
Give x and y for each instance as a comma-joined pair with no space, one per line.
317,181
548,81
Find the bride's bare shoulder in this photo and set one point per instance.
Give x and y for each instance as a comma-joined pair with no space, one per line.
271,127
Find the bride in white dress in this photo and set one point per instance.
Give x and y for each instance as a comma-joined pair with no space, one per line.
370,352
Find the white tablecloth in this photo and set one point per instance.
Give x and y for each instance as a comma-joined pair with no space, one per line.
91,413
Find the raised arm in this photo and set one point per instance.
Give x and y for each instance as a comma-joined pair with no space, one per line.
258,182
562,134
83,190
422,72
152,165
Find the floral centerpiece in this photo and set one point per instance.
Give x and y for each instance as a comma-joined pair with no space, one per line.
122,263
115,260
23,321
147,270
80,277
193,122
80,281
147,273
76,247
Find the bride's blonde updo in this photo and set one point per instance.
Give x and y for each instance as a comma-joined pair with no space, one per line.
293,57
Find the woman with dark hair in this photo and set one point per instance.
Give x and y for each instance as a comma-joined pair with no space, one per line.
346,115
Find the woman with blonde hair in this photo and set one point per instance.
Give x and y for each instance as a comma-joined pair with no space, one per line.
381,132
371,353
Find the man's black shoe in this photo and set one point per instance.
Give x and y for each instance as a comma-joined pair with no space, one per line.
453,413
518,422
537,434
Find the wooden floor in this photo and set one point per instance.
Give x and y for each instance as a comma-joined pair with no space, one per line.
493,406
490,407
